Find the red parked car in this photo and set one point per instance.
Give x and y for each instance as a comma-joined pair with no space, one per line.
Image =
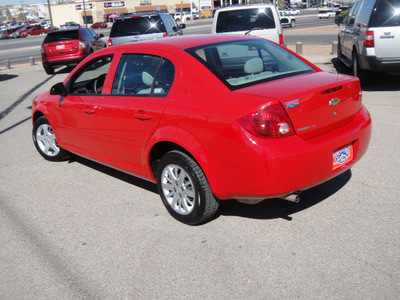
98,25
36,30
69,47
207,118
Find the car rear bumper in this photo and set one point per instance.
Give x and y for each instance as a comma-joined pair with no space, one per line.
247,167
63,60
380,65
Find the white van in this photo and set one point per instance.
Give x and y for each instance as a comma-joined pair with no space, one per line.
257,20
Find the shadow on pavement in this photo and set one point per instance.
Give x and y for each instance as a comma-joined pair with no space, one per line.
268,209
4,77
278,208
378,82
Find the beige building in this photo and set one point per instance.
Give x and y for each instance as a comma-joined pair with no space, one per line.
101,10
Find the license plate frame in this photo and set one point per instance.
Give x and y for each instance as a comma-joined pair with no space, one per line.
60,47
342,156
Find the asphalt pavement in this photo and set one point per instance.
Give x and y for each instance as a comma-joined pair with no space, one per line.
79,230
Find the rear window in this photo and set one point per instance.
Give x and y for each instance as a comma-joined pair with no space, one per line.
386,14
244,63
62,35
137,25
245,19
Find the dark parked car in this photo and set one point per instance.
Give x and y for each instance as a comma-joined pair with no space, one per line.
69,47
134,28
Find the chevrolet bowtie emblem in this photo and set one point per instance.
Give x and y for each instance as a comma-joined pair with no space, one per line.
334,101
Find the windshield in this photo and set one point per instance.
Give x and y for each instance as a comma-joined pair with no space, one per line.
245,19
386,14
244,63
137,25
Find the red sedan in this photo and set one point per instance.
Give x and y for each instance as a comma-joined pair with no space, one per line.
207,118
98,25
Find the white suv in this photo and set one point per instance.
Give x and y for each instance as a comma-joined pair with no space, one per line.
369,38
257,20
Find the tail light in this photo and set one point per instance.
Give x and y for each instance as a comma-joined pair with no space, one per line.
165,35
109,43
369,39
270,121
281,42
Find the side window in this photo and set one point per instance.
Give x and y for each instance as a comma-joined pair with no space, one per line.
353,14
143,75
90,79
167,23
92,33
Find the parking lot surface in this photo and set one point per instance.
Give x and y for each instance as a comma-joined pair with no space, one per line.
79,230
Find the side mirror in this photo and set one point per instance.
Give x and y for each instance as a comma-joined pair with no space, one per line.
101,35
183,26
58,89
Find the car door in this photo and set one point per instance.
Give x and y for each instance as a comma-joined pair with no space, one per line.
76,113
130,114
351,31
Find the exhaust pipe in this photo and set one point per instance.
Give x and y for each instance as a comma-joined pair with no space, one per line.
295,198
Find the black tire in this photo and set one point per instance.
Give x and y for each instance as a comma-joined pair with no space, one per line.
49,70
362,74
46,142
292,24
184,189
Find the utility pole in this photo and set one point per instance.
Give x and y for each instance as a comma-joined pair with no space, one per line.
51,17
84,12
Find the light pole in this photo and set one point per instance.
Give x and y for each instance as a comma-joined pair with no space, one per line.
51,18
84,13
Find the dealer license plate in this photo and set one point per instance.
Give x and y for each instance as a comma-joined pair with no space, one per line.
342,157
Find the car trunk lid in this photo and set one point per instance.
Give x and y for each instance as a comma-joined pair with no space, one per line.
316,103
61,48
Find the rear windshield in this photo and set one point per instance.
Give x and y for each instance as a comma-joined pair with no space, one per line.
245,19
244,63
137,25
386,14
62,35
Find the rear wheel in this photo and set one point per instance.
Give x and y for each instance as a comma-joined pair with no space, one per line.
48,69
292,24
357,71
184,189
45,141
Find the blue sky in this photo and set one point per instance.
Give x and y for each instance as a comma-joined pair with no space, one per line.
18,2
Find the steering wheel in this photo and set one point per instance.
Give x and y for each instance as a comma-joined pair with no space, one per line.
98,83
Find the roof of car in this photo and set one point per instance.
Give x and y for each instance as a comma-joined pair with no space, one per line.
249,6
184,42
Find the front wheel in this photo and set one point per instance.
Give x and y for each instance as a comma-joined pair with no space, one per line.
45,141
292,24
184,189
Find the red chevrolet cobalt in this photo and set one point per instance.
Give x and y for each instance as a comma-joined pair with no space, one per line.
207,118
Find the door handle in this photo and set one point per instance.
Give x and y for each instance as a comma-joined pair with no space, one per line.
141,115
90,110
